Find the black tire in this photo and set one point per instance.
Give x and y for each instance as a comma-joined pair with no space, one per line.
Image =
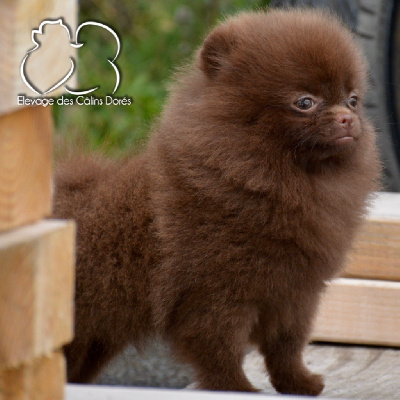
393,81
377,23
347,9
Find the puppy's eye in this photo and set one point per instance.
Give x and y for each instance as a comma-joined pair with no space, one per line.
304,104
352,102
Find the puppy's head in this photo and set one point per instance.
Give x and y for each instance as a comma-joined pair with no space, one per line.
295,78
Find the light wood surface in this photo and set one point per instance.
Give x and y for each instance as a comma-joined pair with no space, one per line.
42,379
36,258
25,166
376,252
36,290
46,65
360,311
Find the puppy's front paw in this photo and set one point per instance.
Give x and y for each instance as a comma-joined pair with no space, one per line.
303,384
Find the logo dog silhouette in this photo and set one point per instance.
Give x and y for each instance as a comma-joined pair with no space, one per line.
41,38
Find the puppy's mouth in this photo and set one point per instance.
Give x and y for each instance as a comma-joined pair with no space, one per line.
343,140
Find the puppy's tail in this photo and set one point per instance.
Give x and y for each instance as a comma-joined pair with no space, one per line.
75,181
81,173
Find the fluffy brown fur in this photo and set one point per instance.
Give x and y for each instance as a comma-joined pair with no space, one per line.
225,230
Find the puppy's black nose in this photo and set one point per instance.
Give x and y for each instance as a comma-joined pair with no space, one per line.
345,121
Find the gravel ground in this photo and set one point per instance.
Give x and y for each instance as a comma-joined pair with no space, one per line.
154,368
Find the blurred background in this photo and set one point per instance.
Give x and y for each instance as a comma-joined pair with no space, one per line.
157,36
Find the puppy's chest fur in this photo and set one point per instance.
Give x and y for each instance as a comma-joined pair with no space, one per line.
251,244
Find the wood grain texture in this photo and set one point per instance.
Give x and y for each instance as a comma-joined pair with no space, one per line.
361,312
36,290
350,372
42,379
25,166
376,253
45,66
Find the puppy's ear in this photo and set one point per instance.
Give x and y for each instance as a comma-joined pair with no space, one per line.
214,55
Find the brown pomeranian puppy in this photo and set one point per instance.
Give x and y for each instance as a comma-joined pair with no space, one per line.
243,205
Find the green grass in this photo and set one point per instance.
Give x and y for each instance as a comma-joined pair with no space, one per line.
156,37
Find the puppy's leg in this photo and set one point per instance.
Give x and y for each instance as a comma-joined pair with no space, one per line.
288,373
282,351
86,359
214,345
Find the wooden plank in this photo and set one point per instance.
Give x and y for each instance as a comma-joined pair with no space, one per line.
46,65
36,290
25,166
43,379
361,312
376,253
